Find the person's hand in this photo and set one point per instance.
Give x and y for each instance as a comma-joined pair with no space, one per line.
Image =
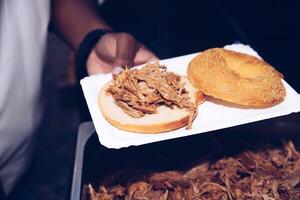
115,51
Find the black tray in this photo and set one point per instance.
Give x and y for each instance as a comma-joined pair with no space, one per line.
93,161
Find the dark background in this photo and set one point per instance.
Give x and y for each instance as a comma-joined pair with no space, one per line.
173,28
169,28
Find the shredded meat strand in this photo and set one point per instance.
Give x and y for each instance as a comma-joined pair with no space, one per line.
140,91
248,176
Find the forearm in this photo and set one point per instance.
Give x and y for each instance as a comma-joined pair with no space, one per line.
73,19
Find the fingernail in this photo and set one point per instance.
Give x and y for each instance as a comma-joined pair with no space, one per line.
117,70
155,59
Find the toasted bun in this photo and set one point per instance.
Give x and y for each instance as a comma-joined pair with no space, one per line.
166,119
236,77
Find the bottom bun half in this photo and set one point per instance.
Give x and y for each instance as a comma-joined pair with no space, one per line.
166,119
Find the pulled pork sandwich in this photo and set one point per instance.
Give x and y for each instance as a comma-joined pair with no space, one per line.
149,100
272,174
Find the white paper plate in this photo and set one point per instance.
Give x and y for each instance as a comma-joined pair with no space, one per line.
211,115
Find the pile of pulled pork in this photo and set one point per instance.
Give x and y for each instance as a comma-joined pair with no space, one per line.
273,174
140,91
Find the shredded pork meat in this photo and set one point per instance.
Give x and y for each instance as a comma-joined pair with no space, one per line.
273,174
140,91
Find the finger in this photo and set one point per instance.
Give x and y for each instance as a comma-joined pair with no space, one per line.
126,50
97,66
117,70
144,55
106,48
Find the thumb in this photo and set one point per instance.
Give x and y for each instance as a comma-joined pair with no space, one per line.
144,55
126,50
